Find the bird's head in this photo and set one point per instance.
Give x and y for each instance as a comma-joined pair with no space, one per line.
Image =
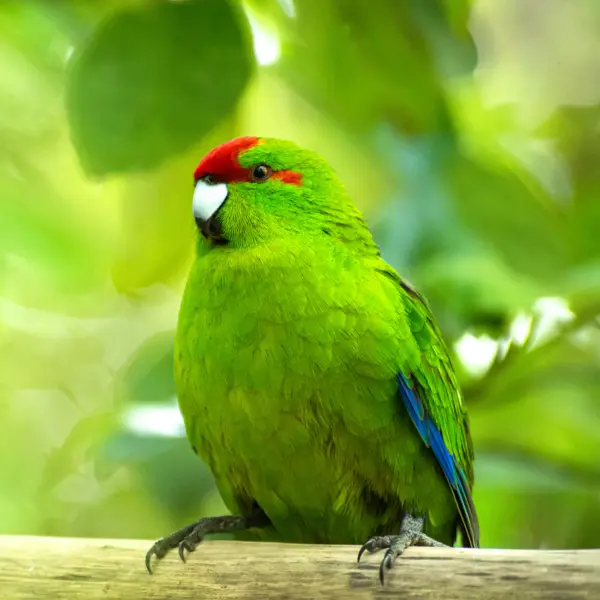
251,190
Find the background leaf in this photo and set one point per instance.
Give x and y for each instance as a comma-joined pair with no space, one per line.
473,158
147,377
153,79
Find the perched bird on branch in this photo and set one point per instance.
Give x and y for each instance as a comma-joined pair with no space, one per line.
312,378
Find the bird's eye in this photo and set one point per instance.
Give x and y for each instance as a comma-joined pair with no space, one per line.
208,179
261,173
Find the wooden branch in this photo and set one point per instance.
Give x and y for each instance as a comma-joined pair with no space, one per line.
64,568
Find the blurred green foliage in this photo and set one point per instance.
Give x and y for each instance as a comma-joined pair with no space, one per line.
469,138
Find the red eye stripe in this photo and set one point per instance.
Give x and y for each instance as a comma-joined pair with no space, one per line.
223,164
291,177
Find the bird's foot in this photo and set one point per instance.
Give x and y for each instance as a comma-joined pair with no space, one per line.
411,534
188,538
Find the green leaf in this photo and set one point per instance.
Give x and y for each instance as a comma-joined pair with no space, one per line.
534,398
148,375
81,442
582,288
474,290
169,473
362,62
512,214
530,493
43,234
153,79
158,229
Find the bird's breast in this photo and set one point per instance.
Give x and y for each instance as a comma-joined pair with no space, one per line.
278,340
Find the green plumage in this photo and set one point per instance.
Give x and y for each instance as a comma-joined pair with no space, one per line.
290,339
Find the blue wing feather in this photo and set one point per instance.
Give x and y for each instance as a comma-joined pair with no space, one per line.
432,437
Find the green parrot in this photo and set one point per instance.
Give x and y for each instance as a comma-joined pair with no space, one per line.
311,377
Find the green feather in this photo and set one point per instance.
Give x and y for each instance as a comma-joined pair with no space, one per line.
289,341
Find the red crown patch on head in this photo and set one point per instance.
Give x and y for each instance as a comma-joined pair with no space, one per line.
222,162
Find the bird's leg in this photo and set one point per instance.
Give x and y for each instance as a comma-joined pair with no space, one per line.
187,538
411,534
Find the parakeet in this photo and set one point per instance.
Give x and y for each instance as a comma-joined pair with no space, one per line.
311,377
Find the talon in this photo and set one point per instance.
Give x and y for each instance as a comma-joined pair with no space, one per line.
388,561
374,544
156,550
181,549
411,534
385,565
366,547
149,555
188,538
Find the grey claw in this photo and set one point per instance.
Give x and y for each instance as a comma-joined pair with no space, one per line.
149,556
386,564
366,547
181,549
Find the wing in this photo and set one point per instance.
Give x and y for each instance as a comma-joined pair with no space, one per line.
431,395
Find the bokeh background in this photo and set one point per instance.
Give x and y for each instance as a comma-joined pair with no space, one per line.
468,132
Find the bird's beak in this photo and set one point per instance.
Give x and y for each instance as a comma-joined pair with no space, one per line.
208,199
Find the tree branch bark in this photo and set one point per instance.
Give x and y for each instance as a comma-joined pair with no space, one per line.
65,568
